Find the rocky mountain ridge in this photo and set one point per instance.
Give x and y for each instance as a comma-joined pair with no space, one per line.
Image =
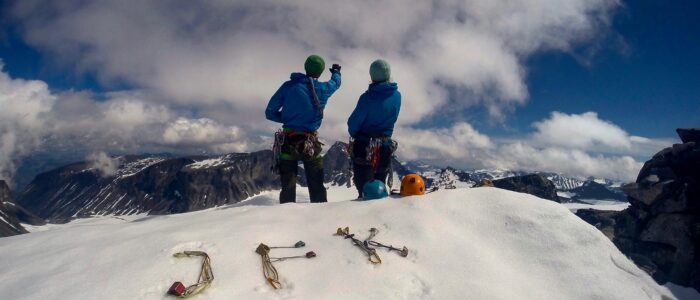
163,184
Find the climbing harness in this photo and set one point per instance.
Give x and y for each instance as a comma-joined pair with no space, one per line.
373,155
206,276
371,252
269,271
287,144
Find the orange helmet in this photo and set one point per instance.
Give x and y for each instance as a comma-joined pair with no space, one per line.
412,184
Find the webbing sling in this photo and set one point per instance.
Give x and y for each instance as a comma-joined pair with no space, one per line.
269,271
206,276
314,97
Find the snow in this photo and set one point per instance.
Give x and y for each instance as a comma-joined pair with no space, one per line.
565,194
209,163
598,205
481,243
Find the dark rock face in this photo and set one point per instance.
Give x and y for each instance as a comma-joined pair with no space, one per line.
688,135
593,190
9,224
533,184
660,231
153,185
605,221
336,165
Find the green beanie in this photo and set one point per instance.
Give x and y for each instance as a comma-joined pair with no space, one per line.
380,71
314,66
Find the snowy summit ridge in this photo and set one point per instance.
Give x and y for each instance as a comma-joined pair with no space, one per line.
480,243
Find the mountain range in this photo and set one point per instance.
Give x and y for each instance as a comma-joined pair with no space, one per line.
165,184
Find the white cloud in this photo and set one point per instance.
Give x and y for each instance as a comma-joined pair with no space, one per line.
573,162
224,59
23,108
584,131
106,165
238,52
456,142
204,132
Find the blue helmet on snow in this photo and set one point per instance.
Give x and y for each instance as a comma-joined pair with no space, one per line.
374,189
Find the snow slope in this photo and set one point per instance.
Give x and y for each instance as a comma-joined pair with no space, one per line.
482,243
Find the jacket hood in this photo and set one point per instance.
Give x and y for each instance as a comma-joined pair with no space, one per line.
299,77
383,87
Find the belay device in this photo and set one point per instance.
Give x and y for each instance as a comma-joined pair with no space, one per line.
206,276
269,271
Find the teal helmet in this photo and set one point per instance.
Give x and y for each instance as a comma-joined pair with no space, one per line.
380,71
374,189
314,66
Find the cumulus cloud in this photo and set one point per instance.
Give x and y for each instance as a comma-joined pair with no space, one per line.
202,71
573,162
24,105
456,142
588,132
584,131
238,52
103,163
32,118
579,145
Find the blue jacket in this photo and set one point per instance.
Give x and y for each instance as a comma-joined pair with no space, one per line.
293,105
376,111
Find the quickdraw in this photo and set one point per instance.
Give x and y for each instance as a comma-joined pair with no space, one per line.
269,271
206,276
277,150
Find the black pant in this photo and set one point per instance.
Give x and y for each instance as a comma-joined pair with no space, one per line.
314,178
362,168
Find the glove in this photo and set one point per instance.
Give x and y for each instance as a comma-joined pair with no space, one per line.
335,68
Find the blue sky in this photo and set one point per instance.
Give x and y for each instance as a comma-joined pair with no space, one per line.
627,75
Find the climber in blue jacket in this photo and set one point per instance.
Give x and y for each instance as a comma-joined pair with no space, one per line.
298,104
371,126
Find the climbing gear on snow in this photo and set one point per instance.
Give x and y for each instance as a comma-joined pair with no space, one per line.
369,242
309,254
206,276
298,244
314,65
374,189
379,71
269,271
412,184
371,252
